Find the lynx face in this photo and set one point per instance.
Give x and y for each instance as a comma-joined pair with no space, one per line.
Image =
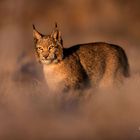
49,48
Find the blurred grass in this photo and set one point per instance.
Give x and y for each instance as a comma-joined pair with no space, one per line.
27,109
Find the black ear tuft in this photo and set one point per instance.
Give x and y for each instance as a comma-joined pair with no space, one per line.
33,26
56,25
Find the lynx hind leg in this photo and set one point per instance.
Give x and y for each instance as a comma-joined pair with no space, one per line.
121,75
119,78
111,76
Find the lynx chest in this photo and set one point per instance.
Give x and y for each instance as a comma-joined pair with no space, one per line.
54,77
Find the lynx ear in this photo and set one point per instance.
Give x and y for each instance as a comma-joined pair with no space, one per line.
36,34
56,34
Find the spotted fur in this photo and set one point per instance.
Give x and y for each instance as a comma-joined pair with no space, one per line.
99,64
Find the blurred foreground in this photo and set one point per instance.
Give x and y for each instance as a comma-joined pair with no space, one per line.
28,110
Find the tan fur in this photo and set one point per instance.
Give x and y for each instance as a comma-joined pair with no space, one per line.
98,64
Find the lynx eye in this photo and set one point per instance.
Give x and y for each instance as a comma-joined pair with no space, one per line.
40,48
50,47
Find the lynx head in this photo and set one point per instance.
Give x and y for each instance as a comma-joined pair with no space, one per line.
49,48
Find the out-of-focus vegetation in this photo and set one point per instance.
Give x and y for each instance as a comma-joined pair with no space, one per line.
26,109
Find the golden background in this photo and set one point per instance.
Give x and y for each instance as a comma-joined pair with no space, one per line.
26,111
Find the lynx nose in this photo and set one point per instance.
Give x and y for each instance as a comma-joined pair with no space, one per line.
45,56
51,57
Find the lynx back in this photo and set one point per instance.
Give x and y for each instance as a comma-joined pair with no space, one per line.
98,64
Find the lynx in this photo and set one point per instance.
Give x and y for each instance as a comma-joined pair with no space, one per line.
96,64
